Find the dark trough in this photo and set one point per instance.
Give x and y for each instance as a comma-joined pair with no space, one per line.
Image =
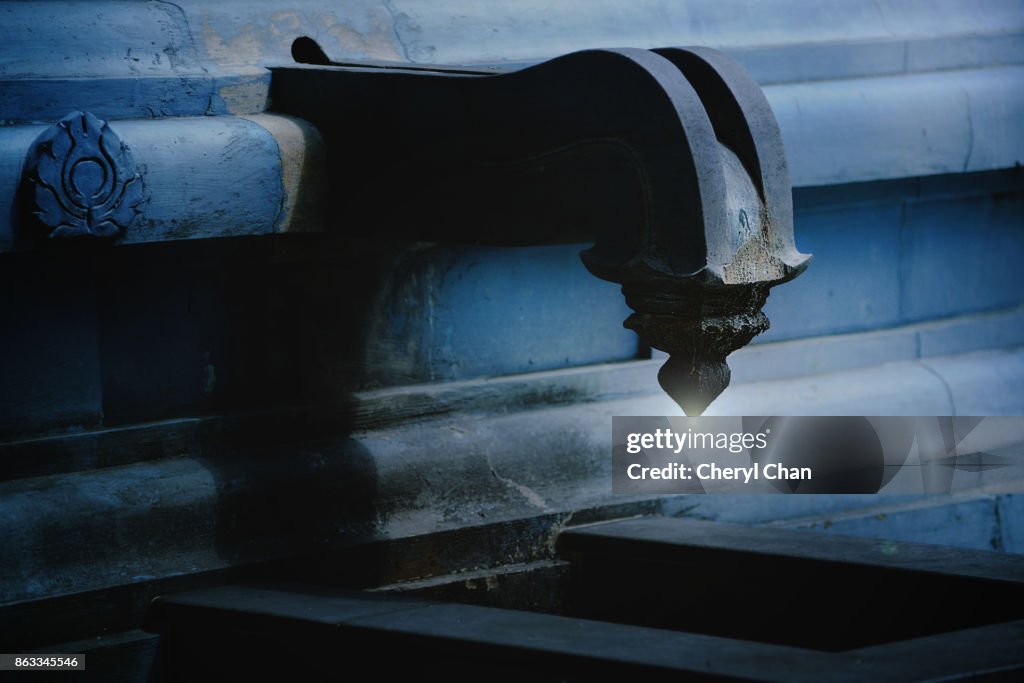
647,596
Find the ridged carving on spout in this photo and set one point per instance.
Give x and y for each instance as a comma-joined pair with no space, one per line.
698,332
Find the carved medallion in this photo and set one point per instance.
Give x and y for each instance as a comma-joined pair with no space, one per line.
84,181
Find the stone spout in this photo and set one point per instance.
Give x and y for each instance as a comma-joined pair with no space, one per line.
670,161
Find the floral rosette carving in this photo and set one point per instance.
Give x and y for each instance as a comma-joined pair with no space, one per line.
84,179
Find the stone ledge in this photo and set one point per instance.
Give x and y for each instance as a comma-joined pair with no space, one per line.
205,177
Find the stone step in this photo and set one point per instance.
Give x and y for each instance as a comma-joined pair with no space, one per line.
784,586
302,629
656,597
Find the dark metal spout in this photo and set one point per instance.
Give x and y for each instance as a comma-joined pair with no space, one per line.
669,161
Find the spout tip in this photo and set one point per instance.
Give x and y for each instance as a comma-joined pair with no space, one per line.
694,384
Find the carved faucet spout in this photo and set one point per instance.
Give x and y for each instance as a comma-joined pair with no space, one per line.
742,182
670,161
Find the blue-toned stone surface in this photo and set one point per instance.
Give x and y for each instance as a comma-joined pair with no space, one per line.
1011,514
454,313
979,523
977,386
990,331
900,255
962,256
852,283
